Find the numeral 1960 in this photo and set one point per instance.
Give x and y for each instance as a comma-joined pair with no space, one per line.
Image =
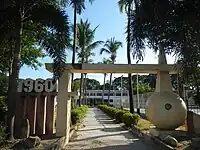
38,85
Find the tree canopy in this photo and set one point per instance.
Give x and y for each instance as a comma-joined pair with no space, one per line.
175,24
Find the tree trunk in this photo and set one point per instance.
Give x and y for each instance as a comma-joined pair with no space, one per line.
81,92
86,91
130,85
74,41
12,91
104,81
109,88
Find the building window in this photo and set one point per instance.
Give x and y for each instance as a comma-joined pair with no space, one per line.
99,94
105,94
118,94
125,94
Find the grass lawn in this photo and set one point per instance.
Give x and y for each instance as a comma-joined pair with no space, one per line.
145,125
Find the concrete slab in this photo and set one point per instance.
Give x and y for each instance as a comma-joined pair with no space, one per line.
118,68
101,133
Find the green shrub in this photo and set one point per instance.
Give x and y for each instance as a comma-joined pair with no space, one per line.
77,114
119,115
124,116
3,109
130,119
2,132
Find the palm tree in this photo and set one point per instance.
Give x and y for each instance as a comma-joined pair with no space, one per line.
126,5
85,45
105,61
88,54
32,15
110,47
79,6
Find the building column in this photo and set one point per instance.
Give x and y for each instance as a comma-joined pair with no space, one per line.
64,106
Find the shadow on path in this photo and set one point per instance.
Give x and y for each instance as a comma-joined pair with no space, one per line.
101,133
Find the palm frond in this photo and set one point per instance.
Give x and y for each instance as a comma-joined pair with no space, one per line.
122,5
104,50
55,40
95,45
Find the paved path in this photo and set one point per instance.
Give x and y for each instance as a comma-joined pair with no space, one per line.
101,133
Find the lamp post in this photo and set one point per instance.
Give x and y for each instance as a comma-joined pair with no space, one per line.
138,97
121,104
114,100
184,95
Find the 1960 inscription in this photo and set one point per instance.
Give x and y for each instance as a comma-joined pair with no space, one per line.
38,85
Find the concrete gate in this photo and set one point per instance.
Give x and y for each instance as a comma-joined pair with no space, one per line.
36,103
64,85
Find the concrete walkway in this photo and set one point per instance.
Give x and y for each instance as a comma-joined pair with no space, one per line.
101,133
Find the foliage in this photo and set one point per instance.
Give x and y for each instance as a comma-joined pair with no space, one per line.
124,116
127,5
105,61
146,82
3,85
130,119
3,112
119,115
49,28
2,134
77,114
124,4
85,44
80,5
3,99
173,24
48,24
110,47
90,84
29,56
76,85
142,88
85,41
3,109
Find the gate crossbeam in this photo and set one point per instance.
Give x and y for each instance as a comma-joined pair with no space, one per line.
118,68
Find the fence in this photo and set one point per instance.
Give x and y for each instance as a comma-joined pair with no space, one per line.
191,105
142,101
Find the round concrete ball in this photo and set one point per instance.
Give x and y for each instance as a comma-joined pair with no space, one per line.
166,110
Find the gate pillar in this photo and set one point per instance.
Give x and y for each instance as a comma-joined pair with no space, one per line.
64,105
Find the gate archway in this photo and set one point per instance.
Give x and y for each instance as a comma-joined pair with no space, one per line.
64,85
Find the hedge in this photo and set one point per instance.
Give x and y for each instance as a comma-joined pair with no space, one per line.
119,115
77,114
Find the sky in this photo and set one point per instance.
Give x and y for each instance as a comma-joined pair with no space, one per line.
112,23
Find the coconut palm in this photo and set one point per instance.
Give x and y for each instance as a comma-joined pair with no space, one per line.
126,6
110,47
87,61
79,7
85,45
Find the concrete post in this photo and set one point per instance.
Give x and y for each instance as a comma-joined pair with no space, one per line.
64,106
